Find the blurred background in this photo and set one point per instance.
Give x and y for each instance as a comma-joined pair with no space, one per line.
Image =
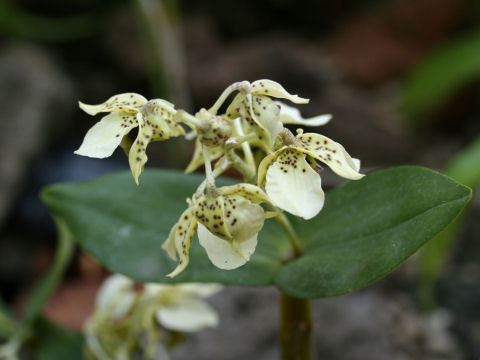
401,78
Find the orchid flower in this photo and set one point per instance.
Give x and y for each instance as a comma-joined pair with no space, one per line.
153,118
290,174
228,225
258,111
126,313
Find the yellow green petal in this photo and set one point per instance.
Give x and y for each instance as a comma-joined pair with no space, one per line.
181,237
330,153
210,212
274,89
249,191
243,218
266,112
128,102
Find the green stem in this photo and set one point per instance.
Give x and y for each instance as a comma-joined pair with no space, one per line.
45,288
210,179
190,120
295,328
241,166
42,291
245,146
290,231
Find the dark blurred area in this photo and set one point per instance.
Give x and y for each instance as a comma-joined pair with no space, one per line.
353,59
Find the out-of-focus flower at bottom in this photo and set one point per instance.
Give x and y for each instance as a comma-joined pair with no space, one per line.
141,320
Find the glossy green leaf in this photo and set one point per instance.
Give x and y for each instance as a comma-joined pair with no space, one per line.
52,342
443,73
367,229
124,225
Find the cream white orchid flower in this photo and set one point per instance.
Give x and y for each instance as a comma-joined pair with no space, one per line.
126,313
182,307
258,111
153,118
228,225
290,174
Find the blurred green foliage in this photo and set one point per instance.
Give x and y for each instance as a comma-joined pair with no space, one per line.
464,168
455,65
18,23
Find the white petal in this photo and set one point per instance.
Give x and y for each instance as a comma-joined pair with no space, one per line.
187,315
104,137
272,88
225,254
294,186
128,102
356,163
291,115
116,296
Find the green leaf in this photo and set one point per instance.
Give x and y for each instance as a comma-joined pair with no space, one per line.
55,343
124,225
443,73
368,228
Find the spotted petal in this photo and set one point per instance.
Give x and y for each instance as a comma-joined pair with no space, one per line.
292,185
243,218
187,315
266,162
274,89
242,107
291,115
329,152
104,137
128,102
247,191
210,211
266,112
180,239
155,123
225,254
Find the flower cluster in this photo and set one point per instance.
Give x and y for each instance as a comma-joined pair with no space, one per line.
132,320
279,169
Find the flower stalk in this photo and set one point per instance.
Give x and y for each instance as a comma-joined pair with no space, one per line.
295,328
